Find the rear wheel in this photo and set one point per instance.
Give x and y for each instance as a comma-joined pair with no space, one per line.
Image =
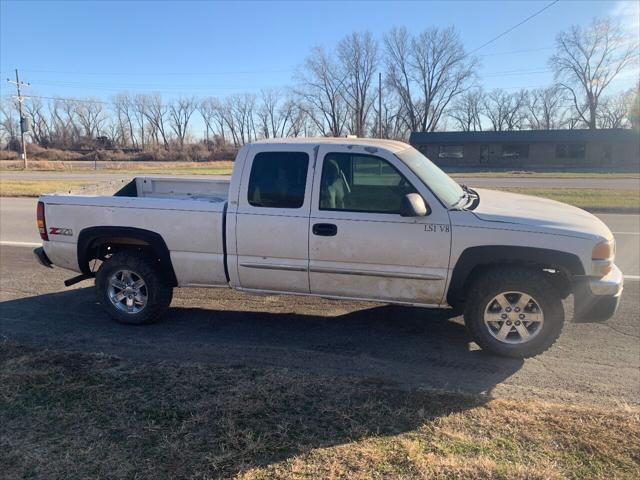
131,288
514,312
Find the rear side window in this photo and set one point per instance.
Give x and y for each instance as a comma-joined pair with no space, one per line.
278,179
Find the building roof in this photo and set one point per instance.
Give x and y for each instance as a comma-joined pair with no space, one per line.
391,145
529,136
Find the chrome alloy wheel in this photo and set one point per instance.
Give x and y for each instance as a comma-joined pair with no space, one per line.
513,317
128,291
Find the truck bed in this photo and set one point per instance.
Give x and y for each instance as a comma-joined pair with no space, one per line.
188,213
177,188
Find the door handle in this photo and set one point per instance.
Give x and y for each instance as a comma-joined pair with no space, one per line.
324,229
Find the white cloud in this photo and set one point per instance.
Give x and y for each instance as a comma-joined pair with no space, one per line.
627,12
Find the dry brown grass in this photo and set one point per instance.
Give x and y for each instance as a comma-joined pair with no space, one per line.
35,188
189,153
219,167
73,416
592,199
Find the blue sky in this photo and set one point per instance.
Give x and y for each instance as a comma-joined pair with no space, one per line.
96,49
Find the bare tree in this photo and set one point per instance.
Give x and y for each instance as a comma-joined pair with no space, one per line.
238,115
139,113
9,123
40,128
634,109
588,59
124,110
505,110
321,91
544,108
271,114
91,117
427,73
300,123
467,110
358,56
155,112
614,111
180,112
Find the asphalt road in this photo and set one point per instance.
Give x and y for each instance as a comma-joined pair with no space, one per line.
411,347
609,183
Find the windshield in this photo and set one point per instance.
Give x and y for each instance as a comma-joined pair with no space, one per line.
441,184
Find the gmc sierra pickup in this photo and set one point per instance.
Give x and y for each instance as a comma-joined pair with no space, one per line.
341,218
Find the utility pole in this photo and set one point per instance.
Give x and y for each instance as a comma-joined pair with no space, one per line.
380,104
23,121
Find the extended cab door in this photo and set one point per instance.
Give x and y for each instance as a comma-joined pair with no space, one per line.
359,245
272,218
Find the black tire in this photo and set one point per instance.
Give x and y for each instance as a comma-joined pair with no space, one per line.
157,290
514,279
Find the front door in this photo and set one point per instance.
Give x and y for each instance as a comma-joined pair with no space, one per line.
272,220
359,245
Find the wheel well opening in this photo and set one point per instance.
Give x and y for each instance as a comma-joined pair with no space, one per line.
558,275
100,248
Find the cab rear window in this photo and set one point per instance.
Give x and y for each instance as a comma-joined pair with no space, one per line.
278,179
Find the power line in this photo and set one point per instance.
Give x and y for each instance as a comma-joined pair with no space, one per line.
63,99
245,72
514,27
154,87
528,50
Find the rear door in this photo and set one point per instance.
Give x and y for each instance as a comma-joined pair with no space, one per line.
359,245
272,219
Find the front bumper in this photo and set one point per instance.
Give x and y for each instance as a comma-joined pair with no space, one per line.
597,299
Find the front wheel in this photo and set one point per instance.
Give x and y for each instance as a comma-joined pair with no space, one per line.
131,288
514,312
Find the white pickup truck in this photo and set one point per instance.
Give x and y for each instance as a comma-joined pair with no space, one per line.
341,218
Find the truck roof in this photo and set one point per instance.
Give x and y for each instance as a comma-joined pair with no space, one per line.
391,145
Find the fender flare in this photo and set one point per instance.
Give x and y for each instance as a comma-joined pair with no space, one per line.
488,255
155,241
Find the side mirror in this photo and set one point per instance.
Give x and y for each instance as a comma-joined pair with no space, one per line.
413,205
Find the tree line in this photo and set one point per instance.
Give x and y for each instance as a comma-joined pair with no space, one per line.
429,83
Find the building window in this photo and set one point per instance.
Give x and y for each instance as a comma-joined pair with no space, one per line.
278,179
515,152
451,151
570,150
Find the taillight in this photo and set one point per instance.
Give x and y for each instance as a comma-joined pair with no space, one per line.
42,225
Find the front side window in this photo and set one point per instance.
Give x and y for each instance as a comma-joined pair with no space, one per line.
278,179
361,183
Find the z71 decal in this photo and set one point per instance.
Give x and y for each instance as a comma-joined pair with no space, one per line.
60,231
435,227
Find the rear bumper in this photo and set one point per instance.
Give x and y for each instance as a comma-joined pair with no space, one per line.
42,258
597,299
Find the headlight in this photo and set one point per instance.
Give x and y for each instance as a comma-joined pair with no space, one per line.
602,257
